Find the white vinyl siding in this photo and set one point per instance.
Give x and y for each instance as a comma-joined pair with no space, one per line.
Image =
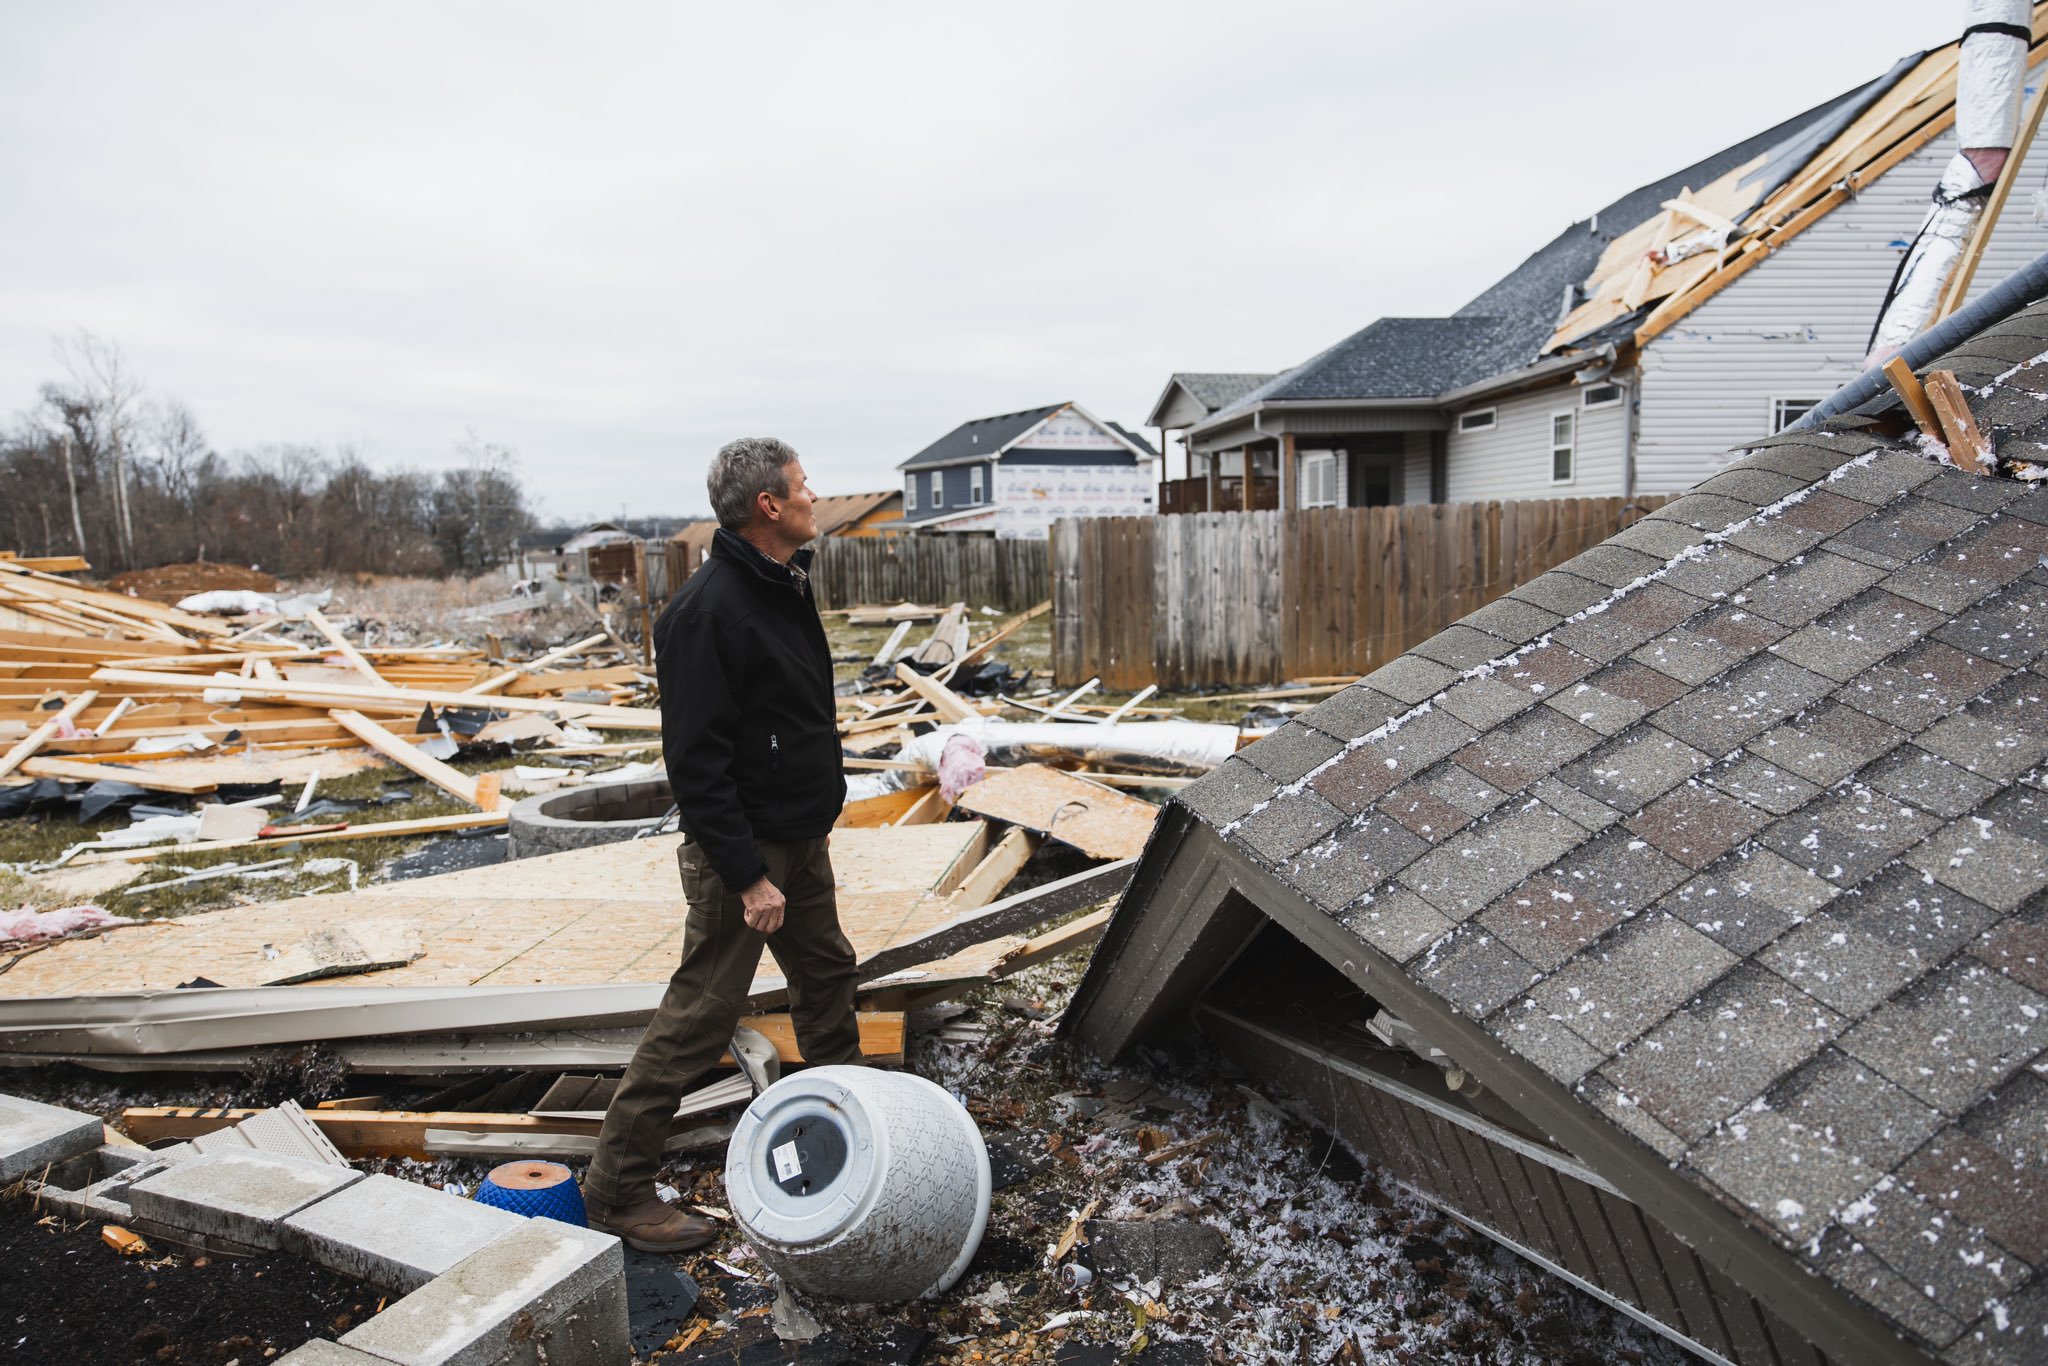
1513,459
1797,325
1414,484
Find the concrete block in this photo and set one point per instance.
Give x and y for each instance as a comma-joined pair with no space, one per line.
321,1352
393,1233
34,1135
241,1195
545,1291
105,1194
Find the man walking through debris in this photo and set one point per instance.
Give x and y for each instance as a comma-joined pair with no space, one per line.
751,741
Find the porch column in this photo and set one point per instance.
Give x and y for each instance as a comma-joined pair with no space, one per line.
1290,477
1215,478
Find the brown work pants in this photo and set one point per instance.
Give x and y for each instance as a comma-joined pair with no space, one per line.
694,1023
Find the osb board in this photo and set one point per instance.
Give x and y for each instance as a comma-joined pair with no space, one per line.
609,914
1099,821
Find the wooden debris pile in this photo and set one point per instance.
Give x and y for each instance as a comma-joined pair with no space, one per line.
99,685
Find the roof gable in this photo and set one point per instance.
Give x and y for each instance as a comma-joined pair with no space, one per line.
1749,857
983,436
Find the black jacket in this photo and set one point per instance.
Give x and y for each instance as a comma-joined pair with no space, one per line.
748,727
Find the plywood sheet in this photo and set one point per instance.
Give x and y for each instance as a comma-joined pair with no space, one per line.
1099,821
609,914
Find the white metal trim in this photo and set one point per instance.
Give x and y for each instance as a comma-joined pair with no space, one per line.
1551,447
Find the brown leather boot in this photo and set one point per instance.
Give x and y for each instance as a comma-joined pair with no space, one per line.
652,1225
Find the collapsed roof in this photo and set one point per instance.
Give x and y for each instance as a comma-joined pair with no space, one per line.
1722,849
1643,262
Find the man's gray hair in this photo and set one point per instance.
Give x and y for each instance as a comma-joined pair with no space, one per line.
741,472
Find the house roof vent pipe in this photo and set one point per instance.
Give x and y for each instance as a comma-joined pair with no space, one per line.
2027,285
1990,75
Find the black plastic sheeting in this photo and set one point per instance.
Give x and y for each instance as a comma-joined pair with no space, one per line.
53,796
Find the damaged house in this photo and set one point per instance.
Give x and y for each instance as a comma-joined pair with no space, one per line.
1628,353
1015,474
1678,919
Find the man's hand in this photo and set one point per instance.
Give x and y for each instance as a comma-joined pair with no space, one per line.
763,902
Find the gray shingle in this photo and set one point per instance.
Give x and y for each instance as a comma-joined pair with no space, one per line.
1758,488
1631,772
1743,703
1595,709
1631,979
1290,752
1662,539
1763,784
1461,647
1804,460
1719,1053
1603,637
1825,512
1748,899
1789,1176
1837,962
2019,949
1422,812
1952,1037
1985,860
1514,621
1226,794
1287,827
1705,511
1515,754
1799,594
1397,922
1545,669
1594,815
1560,592
1906,530
1912,775
1485,702
1547,921
1709,644
1336,871
1915,914
1826,744
1843,1258
1950,1264
1613,565
1378,766
2006,1334
1998,735
1922,685
1872,1121
1604,1096
1722,570
1846,835
1563,1056
1357,710
1476,972
1862,633
1466,872
1647,687
1412,679
1618,871
1455,784
2011,628
1971,492
1696,824
1884,478
1983,1188
1775,540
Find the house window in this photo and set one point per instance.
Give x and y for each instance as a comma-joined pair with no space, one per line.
1478,420
910,493
1563,430
1600,395
975,493
1786,411
1318,479
938,488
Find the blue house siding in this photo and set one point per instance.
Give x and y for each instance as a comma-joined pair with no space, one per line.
958,486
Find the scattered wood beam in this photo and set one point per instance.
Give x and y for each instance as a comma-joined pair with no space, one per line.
28,744
950,706
457,784
1967,446
1907,385
344,649
505,679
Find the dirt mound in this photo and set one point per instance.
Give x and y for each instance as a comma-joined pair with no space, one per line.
169,582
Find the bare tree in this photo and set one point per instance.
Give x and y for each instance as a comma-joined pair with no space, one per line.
102,405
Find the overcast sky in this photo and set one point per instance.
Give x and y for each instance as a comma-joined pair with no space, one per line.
614,236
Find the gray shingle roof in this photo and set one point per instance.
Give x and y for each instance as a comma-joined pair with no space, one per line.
1748,846
982,436
1214,391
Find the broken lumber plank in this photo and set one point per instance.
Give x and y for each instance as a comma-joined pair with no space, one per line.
569,680
1909,390
889,646
456,784
429,825
75,771
29,743
1005,917
993,873
344,649
1967,447
1075,934
948,704
928,809
1099,821
379,699
48,564
499,681
868,812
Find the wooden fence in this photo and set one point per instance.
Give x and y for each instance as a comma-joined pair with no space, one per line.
935,569
1257,597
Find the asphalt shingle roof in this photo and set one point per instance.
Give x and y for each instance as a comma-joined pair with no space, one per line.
1213,391
982,436
1737,826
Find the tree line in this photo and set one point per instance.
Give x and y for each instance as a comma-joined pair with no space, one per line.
103,468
